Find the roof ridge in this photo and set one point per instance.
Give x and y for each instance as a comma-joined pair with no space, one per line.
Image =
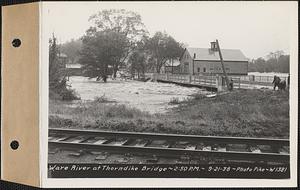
207,54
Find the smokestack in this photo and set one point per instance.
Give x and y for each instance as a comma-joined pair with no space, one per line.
213,46
194,55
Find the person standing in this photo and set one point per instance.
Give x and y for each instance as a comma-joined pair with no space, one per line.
288,81
276,82
231,85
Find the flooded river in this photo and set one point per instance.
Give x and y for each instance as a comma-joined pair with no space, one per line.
146,96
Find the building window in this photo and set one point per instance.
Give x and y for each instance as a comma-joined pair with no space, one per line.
204,70
198,69
227,69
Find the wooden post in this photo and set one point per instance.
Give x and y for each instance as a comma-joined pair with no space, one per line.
219,83
190,79
223,66
193,67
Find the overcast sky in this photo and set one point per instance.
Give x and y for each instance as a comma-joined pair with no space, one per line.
256,28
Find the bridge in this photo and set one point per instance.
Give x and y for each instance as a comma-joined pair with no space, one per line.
214,82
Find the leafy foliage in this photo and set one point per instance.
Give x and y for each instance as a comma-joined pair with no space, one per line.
275,62
102,50
121,21
118,38
57,81
163,47
72,49
109,42
138,61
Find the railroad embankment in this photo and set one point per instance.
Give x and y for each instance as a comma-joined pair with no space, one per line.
244,113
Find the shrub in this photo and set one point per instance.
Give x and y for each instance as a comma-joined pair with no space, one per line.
58,88
101,99
69,94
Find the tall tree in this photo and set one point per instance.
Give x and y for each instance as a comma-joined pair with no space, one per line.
137,62
284,64
163,47
124,23
57,79
102,50
71,49
275,62
55,73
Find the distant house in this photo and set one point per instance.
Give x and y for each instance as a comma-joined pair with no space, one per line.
63,59
74,69
70,69
207,61
74,65
171,66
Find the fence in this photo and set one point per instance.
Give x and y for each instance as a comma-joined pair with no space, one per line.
249,81
204,80
194,80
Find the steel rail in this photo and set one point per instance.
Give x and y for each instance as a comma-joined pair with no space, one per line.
230,155
176,137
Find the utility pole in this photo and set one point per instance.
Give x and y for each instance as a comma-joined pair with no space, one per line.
172,65
223,66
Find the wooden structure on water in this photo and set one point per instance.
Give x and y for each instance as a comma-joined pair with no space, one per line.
213,82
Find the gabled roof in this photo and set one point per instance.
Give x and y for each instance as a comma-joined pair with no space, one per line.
61,55
176,62
208,54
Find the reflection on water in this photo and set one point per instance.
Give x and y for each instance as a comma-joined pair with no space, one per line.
146,96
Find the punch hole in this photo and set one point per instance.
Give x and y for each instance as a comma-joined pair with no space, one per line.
14,145
16,42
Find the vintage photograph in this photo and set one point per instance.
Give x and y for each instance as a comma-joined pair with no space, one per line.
169,89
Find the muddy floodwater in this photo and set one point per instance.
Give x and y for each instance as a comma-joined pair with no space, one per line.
153,97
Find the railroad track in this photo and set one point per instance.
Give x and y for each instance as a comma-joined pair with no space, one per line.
227,148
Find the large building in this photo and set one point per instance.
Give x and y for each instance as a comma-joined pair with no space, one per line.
207,61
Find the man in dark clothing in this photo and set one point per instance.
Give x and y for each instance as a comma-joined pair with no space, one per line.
276,82
231,84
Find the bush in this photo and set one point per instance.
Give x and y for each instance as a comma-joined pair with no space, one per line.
69,95
65,95
122,111
101,99
58,88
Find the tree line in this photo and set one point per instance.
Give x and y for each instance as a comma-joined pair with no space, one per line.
119,39
274,62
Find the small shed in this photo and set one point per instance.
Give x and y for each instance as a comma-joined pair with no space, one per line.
171,66
62,60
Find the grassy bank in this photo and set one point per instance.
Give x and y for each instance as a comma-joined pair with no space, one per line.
248,113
